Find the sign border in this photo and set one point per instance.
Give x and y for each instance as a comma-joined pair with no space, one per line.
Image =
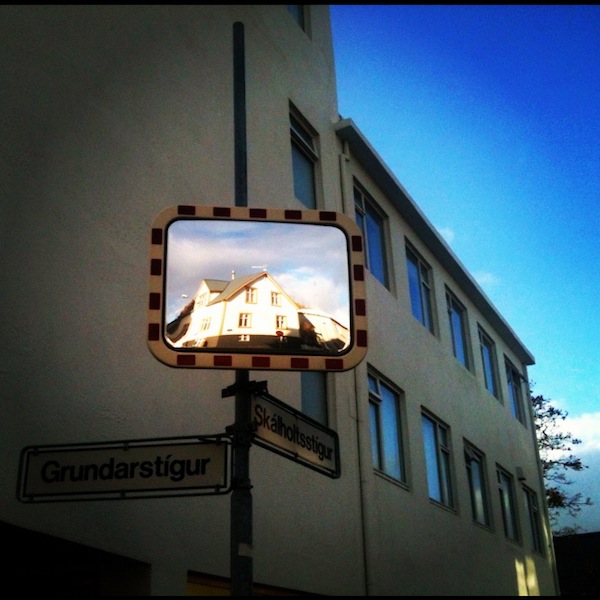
334,473
126,494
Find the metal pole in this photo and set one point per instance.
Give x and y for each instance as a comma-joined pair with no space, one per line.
241,496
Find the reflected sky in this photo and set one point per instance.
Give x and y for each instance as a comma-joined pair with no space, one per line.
309,262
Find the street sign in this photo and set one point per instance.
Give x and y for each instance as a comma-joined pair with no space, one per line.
184,466
292,434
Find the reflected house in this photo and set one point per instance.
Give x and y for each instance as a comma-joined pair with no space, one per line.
254,312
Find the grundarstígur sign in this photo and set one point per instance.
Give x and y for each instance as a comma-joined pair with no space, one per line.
185,466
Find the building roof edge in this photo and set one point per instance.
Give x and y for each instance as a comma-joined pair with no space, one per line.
370,160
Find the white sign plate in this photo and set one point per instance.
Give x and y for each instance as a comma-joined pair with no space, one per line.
290,433
188,466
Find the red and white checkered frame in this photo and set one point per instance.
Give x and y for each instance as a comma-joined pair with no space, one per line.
211,358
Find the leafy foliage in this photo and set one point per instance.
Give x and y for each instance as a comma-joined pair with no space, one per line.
556,447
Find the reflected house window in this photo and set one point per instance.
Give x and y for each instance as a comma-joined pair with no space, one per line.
251,295
205,324
244,337
281,322
275,298
245,320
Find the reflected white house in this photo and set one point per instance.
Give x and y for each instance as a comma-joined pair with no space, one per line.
254,313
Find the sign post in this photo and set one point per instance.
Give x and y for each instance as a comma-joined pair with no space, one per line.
241,560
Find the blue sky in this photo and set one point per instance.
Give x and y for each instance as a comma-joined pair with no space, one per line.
489,116
213,249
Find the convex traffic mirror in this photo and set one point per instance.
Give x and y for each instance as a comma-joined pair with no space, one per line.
251,288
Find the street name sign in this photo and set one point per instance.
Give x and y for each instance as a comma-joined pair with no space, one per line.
292,434
183,466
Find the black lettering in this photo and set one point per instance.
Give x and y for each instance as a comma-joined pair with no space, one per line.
50,472
177,470
122,471
107,470
146,469
258,411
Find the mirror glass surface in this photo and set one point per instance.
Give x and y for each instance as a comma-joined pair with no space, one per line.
257,286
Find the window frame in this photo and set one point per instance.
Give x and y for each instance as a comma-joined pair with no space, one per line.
480,505
515,388
440,469
508,504
487,344
424,289
299,12
314,394
303,139
368,214
455,307
384,433
534,519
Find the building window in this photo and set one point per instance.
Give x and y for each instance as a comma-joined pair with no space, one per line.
419,285
205,324
457,316
244,337
488,358
297,12
304,159
506,490
251,295
535,522
386,433
275,299
371,222
313,385
281,322
515,394
437,459
245,320
475,464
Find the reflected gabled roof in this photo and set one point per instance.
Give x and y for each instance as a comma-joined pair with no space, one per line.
234,286
215,285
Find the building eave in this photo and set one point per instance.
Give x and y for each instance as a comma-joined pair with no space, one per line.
366,155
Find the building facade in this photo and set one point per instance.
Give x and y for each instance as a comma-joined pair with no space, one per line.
112,113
